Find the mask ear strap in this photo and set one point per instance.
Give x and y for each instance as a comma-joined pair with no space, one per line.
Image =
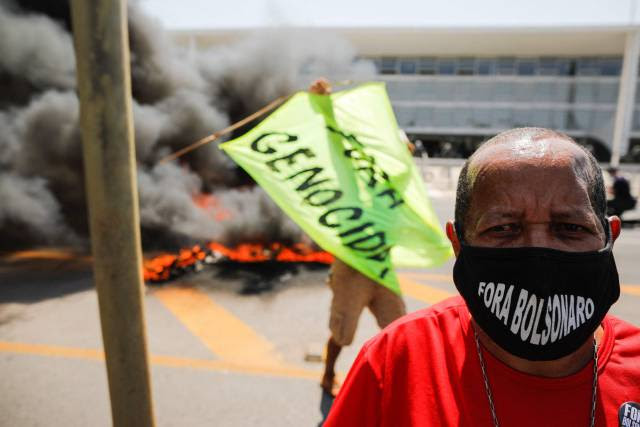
607,233
458,230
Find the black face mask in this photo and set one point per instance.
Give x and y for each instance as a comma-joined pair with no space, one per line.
537,303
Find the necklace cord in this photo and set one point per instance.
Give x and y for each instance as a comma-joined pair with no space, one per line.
487,386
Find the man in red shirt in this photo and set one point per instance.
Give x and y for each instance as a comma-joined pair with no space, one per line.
528,343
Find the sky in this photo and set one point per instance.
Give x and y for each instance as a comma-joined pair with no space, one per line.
229,14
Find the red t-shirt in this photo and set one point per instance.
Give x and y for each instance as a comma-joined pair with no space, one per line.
423,370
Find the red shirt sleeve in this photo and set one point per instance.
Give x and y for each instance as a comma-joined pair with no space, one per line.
360,398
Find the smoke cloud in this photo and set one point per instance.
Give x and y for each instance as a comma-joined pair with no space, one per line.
179,96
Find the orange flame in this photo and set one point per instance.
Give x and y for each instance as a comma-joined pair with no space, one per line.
166,266
208,203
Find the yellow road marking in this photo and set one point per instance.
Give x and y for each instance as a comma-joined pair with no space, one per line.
429,276
168,361
631,289
63,254
51,350
422,292
223,333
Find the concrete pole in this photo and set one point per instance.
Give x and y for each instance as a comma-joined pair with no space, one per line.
626,97
104,88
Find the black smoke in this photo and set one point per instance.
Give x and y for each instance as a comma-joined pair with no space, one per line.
179,96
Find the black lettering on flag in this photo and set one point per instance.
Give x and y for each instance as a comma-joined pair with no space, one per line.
333,196
357,245
308,181
267,149
356,229
349,137
370,174
290,158
381,256
383,272
367,166
356,213
396,200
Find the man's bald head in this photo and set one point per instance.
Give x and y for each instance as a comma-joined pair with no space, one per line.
536,147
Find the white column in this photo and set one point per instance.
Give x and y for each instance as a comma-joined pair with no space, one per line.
626,97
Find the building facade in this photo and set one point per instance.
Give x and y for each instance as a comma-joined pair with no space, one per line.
453,86
453,103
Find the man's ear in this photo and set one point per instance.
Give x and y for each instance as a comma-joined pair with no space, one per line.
453,237
616,225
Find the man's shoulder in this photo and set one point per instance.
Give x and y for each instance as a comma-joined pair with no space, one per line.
621,347
624,332
438,322
445,310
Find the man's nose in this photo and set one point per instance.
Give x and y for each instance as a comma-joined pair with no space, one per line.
538,235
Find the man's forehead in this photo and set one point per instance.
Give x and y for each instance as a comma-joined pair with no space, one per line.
540,151
543,169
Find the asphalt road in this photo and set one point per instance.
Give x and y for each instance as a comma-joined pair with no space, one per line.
228,348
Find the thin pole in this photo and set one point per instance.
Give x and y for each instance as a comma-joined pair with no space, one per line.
210,138
261,112
626,97
104,88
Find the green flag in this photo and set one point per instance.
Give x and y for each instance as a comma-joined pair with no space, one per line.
338,167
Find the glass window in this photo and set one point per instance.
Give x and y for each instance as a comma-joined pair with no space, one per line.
636,120
503,91
425,116
541,118
443,90
465,67
443,117
408,66
462,90
481,91
548,67
527,67
401,90
378,64
579,119
462,117
485,67
524,91
588,67
446,66
482,117
608,92
427,66
405,116
566,67
543,91
610,67
388,66
521,118
502,118
586,91
421,90
602,119
506,66
562,91
558,119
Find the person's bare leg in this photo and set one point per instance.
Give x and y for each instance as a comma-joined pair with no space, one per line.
328,379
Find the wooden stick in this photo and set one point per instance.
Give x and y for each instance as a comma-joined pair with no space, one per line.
261,112
207,139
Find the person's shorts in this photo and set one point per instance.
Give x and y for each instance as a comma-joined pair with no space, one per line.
352,292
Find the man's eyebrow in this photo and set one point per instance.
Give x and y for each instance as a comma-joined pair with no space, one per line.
574,214
497,214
